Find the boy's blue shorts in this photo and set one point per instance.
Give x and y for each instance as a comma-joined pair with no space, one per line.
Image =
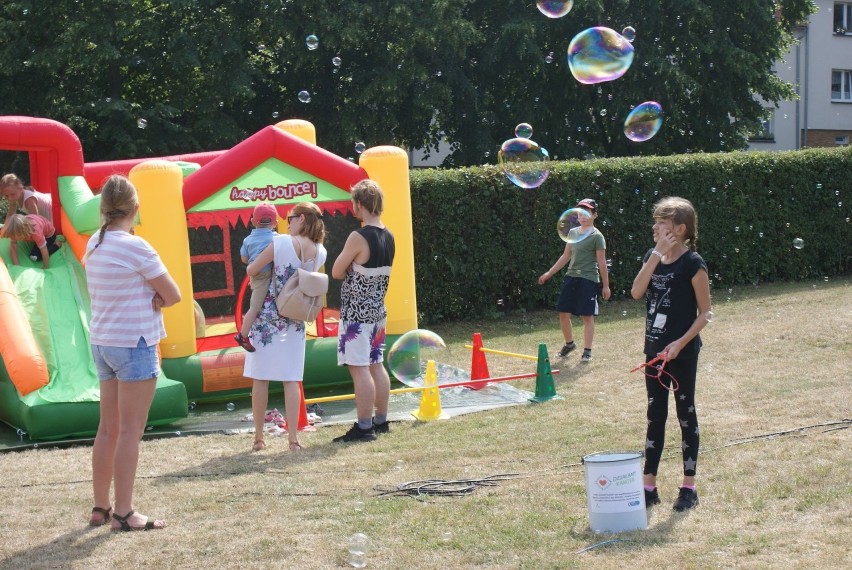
578,296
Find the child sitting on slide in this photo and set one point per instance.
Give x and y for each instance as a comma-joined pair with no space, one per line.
26,199
34,228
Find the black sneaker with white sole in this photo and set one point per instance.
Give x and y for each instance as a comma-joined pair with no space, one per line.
566,349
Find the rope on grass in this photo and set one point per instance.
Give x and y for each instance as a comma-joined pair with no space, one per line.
444,488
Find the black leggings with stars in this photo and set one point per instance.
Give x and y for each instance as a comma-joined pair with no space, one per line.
684,370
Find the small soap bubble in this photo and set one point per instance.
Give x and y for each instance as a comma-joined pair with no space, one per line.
359,506
623,313
709,316
570,225
312,42
336,61
524,162
819,186
399,464
629,34
524,131
599,54
644,121
359,544
177,433
360,147
305,96
274,114
798,243
192,405
230,406
446,536
142,123
407,356
548,58
554,9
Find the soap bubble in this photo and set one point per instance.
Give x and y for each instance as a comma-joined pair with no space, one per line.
336,61
569,225
446,536
275,114
524,131
599,54
709,316
142,123
230,406
548,58
524,162
629,34
359,544
408,355
312,42
554,9
305,96
360,147
798,243
644,121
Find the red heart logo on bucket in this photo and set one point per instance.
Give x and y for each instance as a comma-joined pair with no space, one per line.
602,482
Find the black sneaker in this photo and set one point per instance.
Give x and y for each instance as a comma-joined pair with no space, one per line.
651,498
686,499
587,356
383,427
566,349
357,434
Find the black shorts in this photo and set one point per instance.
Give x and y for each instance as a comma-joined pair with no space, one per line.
35,252
578,296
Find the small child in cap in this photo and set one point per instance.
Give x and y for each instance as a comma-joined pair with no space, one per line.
582,282
264,219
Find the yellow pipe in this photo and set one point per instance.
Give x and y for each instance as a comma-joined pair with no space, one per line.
515,354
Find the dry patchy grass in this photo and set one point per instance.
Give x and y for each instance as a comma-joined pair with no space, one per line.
775,359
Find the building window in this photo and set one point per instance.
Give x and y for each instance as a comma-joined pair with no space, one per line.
841,85
841,140
767,127
843,18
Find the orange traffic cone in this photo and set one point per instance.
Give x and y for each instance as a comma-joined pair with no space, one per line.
304,424
478,365
430,399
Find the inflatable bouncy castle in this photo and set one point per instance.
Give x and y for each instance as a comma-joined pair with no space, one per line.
195,211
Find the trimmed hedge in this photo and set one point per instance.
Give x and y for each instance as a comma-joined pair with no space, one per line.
480,242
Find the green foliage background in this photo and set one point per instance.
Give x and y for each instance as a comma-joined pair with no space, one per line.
480,242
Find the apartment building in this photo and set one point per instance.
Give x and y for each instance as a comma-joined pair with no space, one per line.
819,65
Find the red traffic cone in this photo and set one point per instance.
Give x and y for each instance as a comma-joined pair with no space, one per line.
478,365
304,424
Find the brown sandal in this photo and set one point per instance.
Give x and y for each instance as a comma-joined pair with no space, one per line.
150,524
259,445
105,513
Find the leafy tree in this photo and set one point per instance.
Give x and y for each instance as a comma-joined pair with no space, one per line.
204,74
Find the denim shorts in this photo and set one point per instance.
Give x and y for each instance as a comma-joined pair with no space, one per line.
126,364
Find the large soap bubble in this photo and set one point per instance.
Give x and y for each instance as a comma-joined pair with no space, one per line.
569,227
524,131
407,356
524,162
644,121
599,54
554,9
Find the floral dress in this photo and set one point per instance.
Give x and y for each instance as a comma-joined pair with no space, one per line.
279,341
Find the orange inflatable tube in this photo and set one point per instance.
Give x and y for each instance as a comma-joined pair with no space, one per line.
24,361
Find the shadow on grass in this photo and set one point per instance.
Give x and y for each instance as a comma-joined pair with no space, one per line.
64,551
